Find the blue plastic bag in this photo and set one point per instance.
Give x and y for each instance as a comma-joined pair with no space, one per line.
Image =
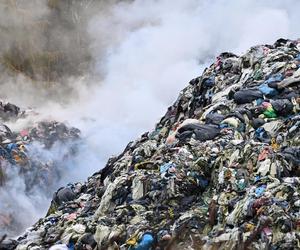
267,91
145,243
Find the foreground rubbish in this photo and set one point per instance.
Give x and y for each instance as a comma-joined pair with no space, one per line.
219,171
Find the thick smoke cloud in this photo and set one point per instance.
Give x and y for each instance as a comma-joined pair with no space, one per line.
19,210
142,54
154,48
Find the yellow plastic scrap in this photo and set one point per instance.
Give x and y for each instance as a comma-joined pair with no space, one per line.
132,241
16,157
249,227
19,157
274,145
144,165
171,212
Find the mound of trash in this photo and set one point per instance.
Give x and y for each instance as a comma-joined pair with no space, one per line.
219,171
21,156
14,144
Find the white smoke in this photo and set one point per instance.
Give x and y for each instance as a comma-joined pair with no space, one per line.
153,48
144,53
18,209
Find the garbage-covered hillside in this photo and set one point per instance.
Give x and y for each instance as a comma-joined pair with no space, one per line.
220,170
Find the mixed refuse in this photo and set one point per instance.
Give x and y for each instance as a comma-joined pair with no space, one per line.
14,145
19,157
219,171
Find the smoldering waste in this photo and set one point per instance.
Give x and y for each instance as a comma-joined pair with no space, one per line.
219,171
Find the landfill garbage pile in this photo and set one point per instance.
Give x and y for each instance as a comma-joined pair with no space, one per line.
14,145
18,156
219,171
